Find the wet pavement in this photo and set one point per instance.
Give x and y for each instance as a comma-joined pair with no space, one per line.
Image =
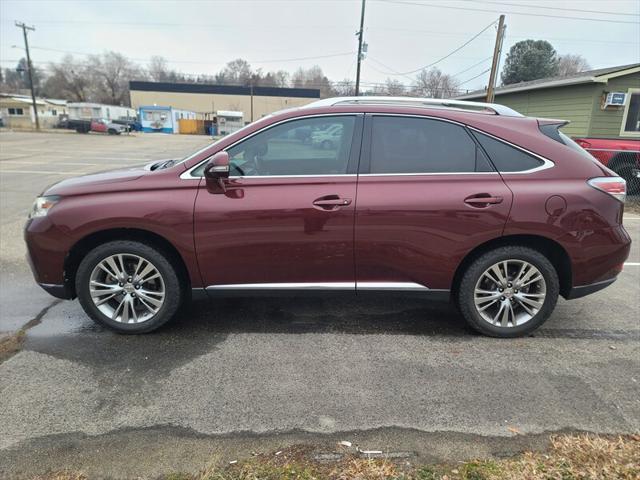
237,375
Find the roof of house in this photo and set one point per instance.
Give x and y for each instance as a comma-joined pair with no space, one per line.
9,98
601,75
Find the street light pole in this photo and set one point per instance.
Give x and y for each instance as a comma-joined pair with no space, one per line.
30,69
360,35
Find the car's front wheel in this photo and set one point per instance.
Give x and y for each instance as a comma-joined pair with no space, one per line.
508,292
128,286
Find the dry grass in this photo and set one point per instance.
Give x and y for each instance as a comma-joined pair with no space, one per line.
10,345
570,457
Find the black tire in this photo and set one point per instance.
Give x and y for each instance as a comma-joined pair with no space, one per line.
174,293
465,297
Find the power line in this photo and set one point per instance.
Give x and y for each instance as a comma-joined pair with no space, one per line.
473,78
331,55
450,53
431,5
472,66
580,10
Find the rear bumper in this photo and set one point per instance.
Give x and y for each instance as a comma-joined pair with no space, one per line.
584,290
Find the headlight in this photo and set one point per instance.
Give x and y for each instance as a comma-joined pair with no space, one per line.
42,205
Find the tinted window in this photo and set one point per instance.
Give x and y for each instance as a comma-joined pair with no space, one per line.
311,146
505,157
419,145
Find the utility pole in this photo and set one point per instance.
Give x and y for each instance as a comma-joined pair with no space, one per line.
30,69
360,35
497,50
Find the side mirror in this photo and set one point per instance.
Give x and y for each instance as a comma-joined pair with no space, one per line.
216,172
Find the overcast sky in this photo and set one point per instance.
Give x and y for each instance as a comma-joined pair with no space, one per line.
403,35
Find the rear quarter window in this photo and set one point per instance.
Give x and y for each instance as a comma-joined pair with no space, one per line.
505,157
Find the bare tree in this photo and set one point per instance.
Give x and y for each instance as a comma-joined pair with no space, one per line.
345,88
572,63
313,77
394,88
68,79
237,72
433,83
16,80
159,70
110,75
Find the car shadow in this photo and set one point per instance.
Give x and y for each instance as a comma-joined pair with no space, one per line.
352,315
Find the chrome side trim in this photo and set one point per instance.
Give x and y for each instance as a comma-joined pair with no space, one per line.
186,175
425,174
396,286
390,286
285,286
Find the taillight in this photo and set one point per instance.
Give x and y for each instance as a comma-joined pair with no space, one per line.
583,143
614,186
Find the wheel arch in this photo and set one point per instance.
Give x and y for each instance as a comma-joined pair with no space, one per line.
555,252
87,243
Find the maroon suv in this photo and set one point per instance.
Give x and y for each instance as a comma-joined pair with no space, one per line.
451,200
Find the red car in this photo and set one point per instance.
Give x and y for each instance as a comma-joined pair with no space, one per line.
442,199
620,155
105,126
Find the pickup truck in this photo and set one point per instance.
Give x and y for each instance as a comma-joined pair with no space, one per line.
620,155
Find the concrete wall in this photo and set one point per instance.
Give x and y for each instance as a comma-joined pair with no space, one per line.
210,102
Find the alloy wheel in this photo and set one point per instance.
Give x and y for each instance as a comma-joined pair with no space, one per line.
127,288
510,293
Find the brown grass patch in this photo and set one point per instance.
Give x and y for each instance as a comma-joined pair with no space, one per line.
570,457
11,344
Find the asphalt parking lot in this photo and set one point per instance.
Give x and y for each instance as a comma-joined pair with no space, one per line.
239,375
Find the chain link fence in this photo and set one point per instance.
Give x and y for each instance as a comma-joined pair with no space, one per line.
625,163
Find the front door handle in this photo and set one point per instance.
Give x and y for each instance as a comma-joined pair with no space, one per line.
482,200
331,202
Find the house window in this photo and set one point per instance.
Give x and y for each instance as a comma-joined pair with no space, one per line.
54,112
631,117
16,111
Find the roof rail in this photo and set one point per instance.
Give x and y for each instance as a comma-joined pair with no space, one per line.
416,102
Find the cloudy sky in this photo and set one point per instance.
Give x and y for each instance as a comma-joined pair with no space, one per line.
200,36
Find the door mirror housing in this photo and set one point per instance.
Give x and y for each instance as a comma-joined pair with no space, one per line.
216,172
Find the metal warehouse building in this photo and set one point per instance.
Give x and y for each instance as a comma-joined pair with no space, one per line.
254,102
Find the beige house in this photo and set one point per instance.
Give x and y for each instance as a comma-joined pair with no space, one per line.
16,111
253,102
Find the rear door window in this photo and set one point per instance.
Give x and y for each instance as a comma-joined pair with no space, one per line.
505,157
421,145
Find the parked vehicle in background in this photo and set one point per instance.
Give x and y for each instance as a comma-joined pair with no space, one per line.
620,155
105,126
328,137
443,199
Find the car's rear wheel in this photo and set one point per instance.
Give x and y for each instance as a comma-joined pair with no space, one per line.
508,292
128,286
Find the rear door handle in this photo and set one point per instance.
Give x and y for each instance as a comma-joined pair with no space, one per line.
331,202
482,200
